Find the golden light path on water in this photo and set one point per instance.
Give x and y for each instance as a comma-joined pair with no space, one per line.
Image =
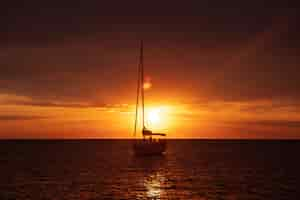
153,186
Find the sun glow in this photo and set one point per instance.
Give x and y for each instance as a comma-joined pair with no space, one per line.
153,116
157,117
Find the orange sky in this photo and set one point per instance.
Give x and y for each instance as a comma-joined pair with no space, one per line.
261,119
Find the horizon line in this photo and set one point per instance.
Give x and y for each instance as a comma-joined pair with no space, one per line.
128,138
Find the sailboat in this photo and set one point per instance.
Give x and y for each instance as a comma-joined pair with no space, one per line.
149,144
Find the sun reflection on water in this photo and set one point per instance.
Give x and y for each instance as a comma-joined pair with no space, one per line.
153,186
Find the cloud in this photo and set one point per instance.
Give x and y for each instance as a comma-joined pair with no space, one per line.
13,99
277,123
20,117
265,123
16,100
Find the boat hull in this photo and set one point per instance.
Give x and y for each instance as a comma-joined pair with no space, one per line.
149,148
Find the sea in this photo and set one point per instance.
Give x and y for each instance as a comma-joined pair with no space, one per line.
190,169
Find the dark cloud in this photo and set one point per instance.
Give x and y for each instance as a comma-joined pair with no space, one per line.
88,51
35,22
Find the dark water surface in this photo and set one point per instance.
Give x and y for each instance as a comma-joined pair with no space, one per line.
191,169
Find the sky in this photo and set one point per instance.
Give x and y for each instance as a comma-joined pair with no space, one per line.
218,69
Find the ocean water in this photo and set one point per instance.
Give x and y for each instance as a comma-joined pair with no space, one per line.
190,169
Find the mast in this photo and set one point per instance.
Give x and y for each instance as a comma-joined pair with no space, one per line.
142,83
137,99
140,89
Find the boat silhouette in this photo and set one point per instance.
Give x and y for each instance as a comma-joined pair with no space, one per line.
150,144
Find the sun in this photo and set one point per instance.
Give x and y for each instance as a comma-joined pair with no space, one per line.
157,118
153,116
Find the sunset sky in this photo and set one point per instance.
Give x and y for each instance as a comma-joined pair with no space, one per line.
218,69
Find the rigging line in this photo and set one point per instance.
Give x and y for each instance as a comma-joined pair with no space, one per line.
137,102
142,77
137,98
